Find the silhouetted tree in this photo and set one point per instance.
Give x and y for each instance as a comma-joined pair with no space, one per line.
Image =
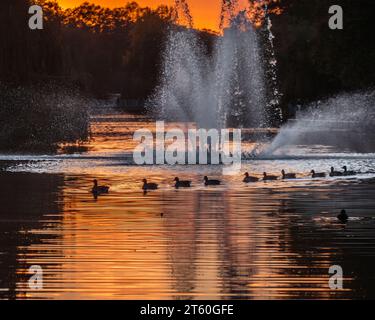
119,50
315,61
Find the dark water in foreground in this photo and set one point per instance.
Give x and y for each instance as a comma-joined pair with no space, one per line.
263,241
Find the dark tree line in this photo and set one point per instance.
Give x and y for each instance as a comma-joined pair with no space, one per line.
315,61
46,75
104,50
98,49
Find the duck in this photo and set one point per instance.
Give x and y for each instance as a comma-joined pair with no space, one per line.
96,189
269,178
343,216
149,186
182,184
317,174
334,173
249,178
288,175
348,173
208,182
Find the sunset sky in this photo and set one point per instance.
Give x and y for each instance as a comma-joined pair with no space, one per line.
205,12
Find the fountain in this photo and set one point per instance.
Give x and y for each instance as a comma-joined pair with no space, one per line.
237,86
226,89
344,121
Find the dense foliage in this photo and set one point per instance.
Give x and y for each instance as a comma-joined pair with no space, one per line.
37,118
315,61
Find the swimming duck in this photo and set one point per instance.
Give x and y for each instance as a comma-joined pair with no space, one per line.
334,173
348,173
249,179
343,216
208,182
149,186
96,189
317,174
269,178
182,184
288,175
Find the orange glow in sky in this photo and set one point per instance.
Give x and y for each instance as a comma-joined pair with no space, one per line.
205,12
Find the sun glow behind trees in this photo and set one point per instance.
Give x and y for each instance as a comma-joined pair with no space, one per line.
206,13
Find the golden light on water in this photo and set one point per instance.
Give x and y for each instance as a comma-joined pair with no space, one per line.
235,241
207,245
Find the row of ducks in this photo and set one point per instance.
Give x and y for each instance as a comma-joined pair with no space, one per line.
314,174
97,190
343,216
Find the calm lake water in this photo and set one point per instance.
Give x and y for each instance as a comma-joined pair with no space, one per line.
273,240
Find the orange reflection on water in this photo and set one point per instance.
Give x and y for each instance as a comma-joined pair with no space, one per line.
261,241
208,244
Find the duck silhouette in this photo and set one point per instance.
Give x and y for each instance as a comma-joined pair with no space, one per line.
317,174
348,173
288,175
267,177
149,186
208,182
343,216
182,184
98,190
334,173
249,179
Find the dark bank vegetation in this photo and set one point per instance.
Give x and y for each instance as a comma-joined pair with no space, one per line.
316,62
37,118
98,50
45,75
92,49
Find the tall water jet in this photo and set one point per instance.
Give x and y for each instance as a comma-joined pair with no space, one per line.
239,75
273,104
226,88
183,88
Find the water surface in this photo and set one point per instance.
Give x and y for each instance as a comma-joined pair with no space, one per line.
260,241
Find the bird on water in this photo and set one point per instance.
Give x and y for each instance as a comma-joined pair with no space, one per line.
288,175
149,186
97,190
317,174
249,178
181,183
208,182
343,216
267,177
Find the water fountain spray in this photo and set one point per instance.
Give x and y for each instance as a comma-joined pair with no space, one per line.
273,105
225,89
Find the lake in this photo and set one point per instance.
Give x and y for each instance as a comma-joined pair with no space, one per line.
274,240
